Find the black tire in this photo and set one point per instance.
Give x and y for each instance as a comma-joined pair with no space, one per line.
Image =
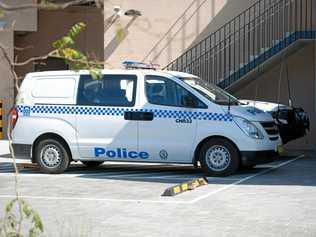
51,156
219,157
92,164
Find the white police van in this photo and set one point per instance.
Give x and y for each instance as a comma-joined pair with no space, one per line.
137,115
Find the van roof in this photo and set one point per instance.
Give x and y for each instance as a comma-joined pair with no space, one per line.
80,72
110,71
181,74
107,71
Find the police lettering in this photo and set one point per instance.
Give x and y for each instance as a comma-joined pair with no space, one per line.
120,153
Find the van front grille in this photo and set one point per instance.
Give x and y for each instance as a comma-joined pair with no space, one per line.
271,128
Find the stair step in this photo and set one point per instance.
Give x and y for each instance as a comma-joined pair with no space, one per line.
274,42
253,57
264,50
231,72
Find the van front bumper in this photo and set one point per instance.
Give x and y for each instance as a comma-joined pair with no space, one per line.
258,157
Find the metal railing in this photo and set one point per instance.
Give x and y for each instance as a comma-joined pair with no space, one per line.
249,39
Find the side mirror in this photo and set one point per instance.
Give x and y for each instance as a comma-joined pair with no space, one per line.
188,101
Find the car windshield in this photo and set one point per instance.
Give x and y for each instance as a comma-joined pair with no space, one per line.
211,92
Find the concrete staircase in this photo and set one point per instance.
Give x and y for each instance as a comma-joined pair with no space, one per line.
258,37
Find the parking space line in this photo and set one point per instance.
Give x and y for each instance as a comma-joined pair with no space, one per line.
32,174
104,175
96,199
244,179
10,160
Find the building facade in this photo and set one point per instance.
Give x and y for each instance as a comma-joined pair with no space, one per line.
211,38
204,37
30,33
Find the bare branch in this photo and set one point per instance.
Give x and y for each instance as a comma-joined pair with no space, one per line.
30,60
54,55
23,48
16,173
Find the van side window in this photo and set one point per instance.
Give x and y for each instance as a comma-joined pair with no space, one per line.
63,87
163,91
112,90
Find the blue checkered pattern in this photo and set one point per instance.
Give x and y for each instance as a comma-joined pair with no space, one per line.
116,111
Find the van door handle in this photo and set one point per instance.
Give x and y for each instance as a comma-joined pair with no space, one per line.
138,116
147,116
128,115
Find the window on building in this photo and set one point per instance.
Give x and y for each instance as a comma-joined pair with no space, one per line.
50,64
112,90
91,3
163,91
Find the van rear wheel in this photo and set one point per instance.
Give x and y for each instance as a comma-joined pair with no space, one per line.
92,164
51,156
219,157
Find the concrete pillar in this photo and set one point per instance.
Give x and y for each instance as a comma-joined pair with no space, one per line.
6,78
313,2
314,99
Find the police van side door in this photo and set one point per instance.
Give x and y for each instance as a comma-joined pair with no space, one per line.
169,136
102,130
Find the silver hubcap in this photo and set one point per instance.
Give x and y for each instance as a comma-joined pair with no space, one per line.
51,156
217,158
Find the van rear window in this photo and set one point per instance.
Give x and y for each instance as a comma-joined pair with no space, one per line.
111,90
54,88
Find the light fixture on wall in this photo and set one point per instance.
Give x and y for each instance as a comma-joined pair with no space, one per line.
117,10
133,13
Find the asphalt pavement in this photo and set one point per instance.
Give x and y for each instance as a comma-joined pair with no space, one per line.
124,199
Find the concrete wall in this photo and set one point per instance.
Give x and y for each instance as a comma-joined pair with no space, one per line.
55,24
6,78
166,28
52,25
301,67
24,20
231,9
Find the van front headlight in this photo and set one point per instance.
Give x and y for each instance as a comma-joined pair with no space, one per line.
248,127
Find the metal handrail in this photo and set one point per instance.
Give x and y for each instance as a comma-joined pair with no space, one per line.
232,34
239,41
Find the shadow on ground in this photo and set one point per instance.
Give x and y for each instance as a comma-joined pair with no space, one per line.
299,173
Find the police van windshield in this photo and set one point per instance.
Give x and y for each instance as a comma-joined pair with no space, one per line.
211,92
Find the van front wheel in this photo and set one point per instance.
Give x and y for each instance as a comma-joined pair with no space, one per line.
219,157
51,156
